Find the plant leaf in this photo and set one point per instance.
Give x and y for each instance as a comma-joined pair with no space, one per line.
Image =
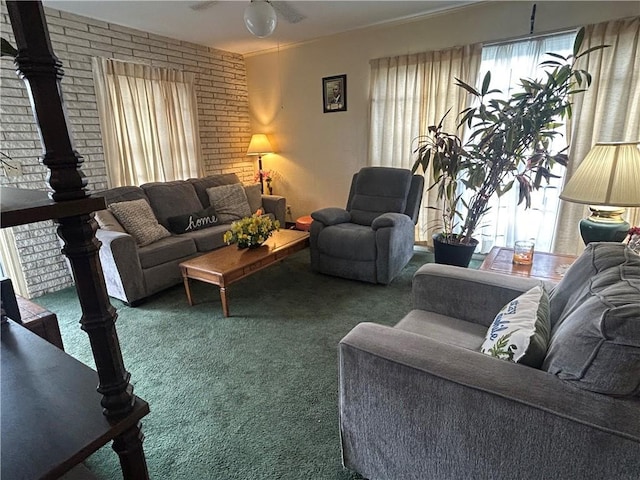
467,87
577,43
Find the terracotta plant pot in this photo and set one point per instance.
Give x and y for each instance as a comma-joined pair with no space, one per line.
458,254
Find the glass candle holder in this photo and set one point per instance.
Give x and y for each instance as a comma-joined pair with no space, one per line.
523,252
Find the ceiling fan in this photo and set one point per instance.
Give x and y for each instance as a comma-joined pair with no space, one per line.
261,16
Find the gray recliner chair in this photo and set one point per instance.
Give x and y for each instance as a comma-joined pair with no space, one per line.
372,239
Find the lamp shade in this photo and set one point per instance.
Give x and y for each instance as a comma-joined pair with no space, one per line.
259,145
260,18
609,175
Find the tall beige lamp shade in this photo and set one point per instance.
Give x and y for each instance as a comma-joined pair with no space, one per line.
260,145
607,180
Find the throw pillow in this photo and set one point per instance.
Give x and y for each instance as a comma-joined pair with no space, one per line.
520,332
137,218
254,197
193,221
107,221
230,202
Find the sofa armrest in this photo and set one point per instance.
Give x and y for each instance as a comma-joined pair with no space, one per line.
121,266
276,205
331,216
408,403
391,219
465,293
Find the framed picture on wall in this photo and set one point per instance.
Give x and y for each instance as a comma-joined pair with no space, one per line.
334,93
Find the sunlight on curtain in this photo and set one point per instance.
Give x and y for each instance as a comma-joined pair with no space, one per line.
148,118
11,266
409,93
507,221
608,112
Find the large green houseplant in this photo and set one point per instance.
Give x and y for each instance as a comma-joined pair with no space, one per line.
510,143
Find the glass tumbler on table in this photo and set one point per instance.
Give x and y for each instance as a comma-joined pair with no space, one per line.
523,252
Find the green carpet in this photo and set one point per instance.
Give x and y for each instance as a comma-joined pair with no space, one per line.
252,396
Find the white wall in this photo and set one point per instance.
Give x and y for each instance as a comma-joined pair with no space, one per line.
318,152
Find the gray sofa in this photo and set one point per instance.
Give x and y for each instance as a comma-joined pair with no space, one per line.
133,272
419,400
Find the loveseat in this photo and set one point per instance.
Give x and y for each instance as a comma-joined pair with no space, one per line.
139,263
421,401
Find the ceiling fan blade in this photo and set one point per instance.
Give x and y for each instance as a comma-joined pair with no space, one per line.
202,5
287,11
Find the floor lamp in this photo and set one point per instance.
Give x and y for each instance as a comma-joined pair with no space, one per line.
259,146
608,180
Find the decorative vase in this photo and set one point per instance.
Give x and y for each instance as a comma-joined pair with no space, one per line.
458,254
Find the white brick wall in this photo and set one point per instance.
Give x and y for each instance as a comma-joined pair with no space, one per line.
223,111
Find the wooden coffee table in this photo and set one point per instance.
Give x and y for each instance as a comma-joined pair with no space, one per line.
546,266
227,265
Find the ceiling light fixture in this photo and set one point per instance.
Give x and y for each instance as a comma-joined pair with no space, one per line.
260,18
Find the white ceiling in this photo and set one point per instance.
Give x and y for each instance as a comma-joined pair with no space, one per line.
220,24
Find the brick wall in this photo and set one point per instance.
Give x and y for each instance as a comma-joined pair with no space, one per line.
223,112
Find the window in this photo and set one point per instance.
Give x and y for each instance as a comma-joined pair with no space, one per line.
149,123
507,221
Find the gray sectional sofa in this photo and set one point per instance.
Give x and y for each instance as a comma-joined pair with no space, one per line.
133,272
420,401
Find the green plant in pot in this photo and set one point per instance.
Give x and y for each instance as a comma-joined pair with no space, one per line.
448,160
510,143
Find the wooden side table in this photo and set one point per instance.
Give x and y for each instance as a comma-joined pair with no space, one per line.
545,266
40,321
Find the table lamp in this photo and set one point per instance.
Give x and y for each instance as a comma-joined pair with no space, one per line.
607,180
260,145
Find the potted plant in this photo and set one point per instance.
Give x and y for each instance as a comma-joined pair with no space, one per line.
251,232
510,143
448,159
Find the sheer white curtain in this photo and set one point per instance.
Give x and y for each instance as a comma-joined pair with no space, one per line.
409,93
10,262
608,112
507,221
148,118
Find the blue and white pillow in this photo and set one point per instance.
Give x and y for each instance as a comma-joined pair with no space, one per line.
521,330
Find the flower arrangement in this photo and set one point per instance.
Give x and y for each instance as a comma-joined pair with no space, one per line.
634,239
266,176
251,232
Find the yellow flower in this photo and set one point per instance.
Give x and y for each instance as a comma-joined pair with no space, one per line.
252,230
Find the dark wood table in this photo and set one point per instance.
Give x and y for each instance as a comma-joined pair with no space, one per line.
227,265
545,266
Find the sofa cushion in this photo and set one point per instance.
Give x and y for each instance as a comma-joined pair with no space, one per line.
379,190
107,221
596,346
193,221
170,199
122,194
442,328
575,286
230,202
254,197
349,241
209,238
138,219
201,184
521,329
166,250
